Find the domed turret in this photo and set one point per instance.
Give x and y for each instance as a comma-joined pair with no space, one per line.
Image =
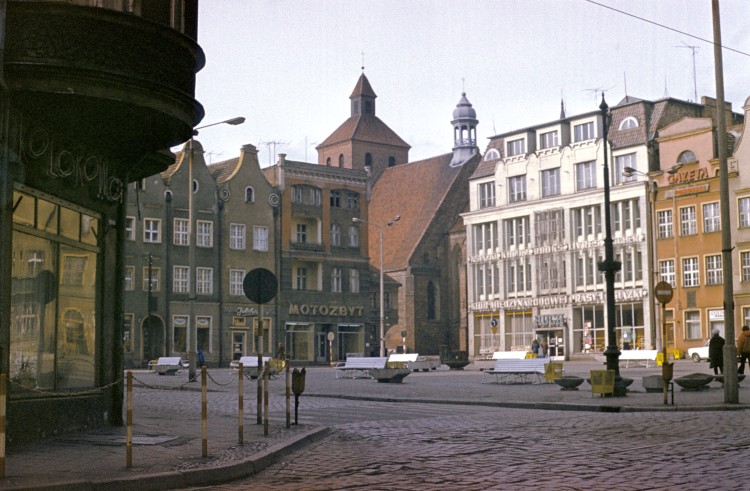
464,132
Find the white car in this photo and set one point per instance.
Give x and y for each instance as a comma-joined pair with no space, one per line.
698,354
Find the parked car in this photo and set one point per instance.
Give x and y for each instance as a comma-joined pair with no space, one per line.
698,354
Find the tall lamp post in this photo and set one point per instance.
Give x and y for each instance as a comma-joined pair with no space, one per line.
192,283
609,266
651,226
382,294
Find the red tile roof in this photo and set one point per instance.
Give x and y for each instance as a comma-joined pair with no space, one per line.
366,128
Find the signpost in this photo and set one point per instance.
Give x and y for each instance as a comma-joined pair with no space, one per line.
663,292
260,286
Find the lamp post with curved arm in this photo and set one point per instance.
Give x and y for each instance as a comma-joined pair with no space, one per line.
381,227
192,338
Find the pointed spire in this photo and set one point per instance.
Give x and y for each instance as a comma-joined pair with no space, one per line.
562,109
363,97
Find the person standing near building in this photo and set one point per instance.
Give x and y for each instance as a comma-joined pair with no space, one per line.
743,348
544,352
716,352
535,347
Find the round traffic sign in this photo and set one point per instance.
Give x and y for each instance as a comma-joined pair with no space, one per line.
663,292
260,285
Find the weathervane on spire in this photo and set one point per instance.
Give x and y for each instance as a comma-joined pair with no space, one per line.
363,61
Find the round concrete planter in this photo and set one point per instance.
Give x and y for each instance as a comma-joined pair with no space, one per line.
569,382
389,375
720,378
694,381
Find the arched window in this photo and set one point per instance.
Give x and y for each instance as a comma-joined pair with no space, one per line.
368,159
391,161
328,161
195,185
431,301
629,122
341,160
687,157
249,195
168,195
492,154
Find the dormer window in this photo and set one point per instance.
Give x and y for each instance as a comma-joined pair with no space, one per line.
687,157
629,122
548,140
516,147
492,154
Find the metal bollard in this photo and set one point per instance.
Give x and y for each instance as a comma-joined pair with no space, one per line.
129,424
241,405
204,414
265,401
288,396
259,419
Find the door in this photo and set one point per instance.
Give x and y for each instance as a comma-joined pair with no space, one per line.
238,345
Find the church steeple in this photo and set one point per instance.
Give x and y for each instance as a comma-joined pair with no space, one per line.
363,98
464,132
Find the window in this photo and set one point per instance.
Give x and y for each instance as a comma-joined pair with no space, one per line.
354,280
129,282
74,266
236,277
627,123
516,147
127,332
711,218
626,216
551,182
352,201
301,233
687,157
341,160
743,205
517,232
181,279
667,272
548,140
688,221
516,189
485,237
205,234
585,270
249,195
391,161
335,234
152,230
180,236
745,266
335,199
353,236
664,218
585,175
306,195
622,161
693,324
583,132
301,278
155,276
487,195
204,281
586,222
180,325
368,159
713,270
336,280
492,154
130,228
690,273
237,240
260,238
518,275
203,332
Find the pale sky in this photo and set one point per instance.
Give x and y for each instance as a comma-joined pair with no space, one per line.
289,66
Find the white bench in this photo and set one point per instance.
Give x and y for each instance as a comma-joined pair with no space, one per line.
415,362
167,365
509,355
358,367
249,365
519,371
641,356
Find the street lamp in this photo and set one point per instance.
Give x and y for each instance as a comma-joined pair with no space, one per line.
192,340
382,294
609,266
651,225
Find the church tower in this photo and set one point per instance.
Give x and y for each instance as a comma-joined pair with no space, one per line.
363,141
464,132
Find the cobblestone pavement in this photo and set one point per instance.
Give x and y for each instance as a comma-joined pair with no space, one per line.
440,447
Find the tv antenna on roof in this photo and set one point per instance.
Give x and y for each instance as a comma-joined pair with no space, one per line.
272,144
695,83
598,90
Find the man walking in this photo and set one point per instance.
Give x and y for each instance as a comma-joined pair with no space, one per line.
743,348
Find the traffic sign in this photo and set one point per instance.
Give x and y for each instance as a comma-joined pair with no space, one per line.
260,285
663,292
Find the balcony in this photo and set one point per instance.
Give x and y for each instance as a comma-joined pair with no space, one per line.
308,247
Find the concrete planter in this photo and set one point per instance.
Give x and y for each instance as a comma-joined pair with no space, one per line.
569,382
389,375
653,383
694,381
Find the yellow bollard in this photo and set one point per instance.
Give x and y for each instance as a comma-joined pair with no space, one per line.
204,414
241,404
129,424
265,402
259,412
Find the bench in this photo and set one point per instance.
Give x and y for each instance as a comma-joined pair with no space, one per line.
249,365
167,365
358,367
524,371
489,362
641,356
414,362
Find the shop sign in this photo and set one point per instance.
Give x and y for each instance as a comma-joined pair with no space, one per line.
556,301
325,310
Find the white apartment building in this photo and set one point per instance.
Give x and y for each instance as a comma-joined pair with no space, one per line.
535,233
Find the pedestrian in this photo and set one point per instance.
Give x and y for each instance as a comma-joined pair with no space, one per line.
280,351
535,347
201,358
544,348
743,348
716,352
